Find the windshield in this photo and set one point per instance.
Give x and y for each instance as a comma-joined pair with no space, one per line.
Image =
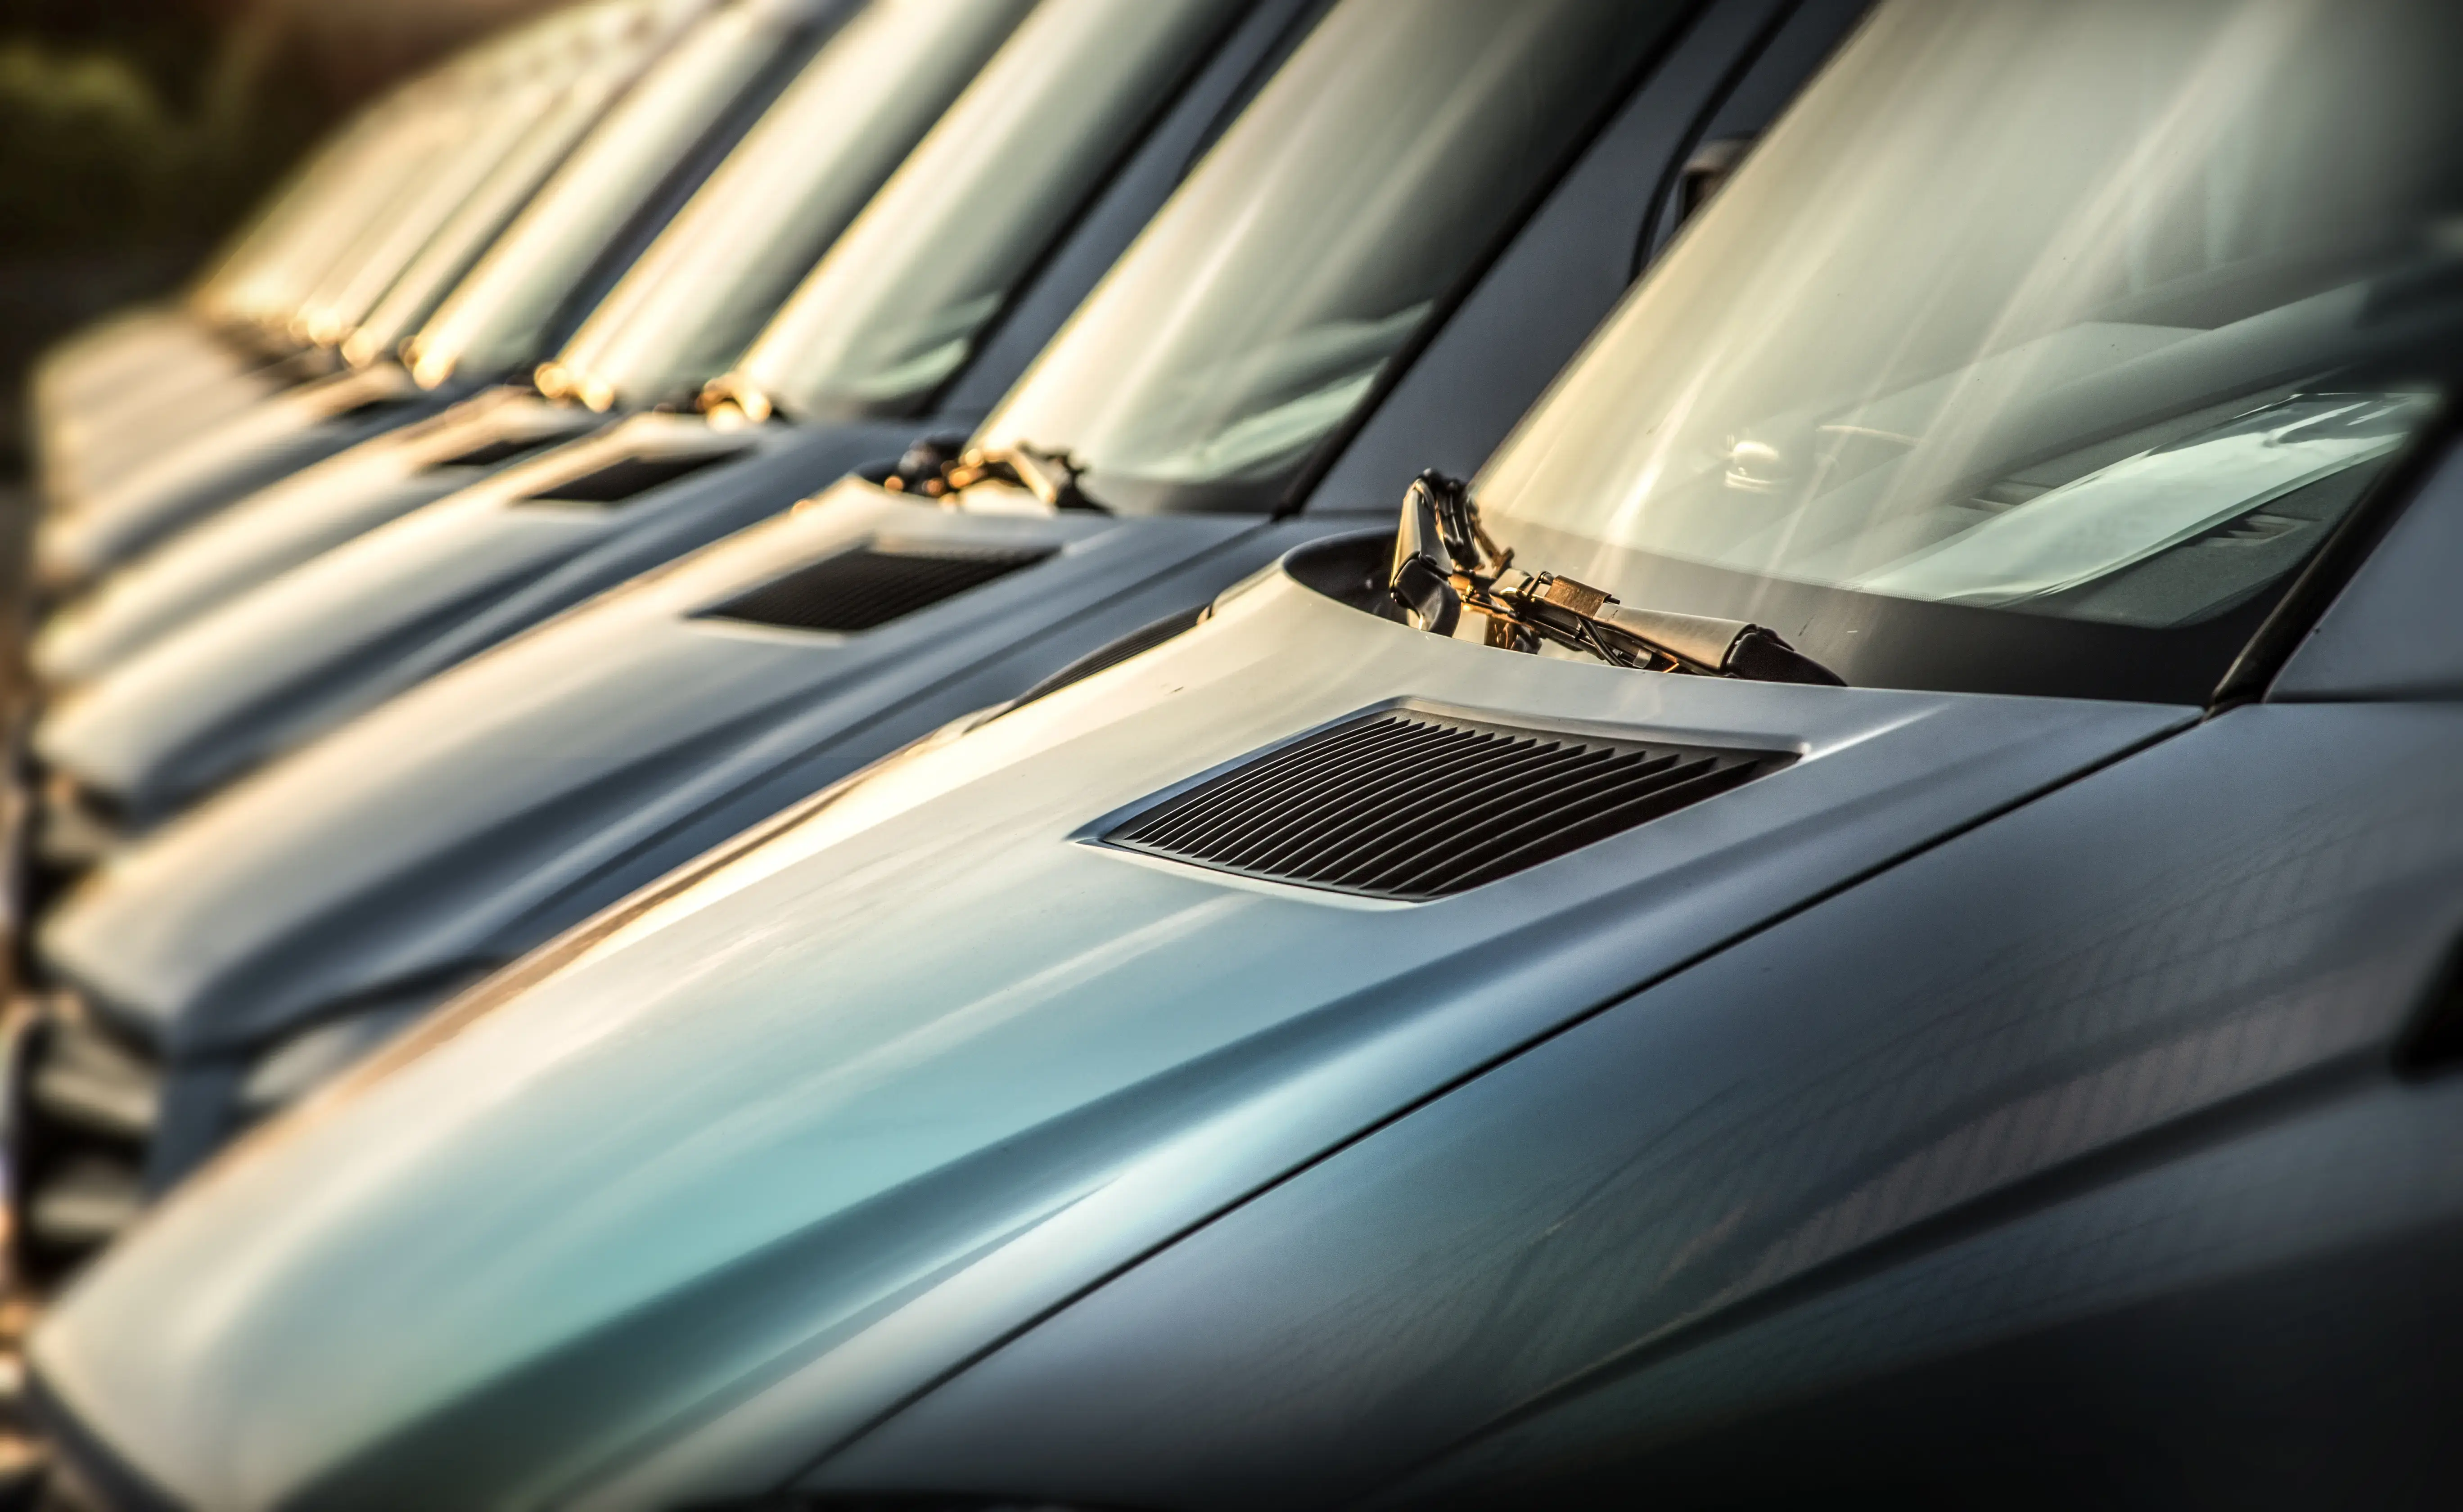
586,85
257,271
496,320
350,183
1377,168
2036,347
445,179
345,192
693,301
897,306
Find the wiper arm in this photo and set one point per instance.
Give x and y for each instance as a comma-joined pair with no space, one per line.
1446,564
933,468
731,399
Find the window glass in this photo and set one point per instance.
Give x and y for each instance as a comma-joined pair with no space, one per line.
897,306
354,183
700,292
2034,348
495,319
1392,151
441,184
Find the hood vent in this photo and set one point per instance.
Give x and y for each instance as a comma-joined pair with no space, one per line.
374,405
873,585
487,454
628,478
1405,804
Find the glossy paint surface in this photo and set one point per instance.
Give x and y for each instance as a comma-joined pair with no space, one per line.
2396,631
184,383
282,432
195,707
566,750
258,974
97,361
925,1062
1955,1105
288,523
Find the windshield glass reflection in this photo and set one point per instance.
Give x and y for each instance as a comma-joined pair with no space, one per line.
1379,166
494,320
897,306
705,287
582,94
2085,311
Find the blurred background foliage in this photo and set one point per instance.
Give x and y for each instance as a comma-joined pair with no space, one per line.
115,142
134,134
151,125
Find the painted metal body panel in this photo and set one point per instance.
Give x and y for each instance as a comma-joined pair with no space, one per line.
2396,631
1906,1124
92,364
278,433
288,523
567,751
922,1142
243,966
187,383
333,636
926,1063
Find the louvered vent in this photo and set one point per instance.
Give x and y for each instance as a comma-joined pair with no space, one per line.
1406,805
873,585
628,478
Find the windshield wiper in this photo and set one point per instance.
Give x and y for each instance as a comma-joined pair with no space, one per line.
1447,564
731,399
936,470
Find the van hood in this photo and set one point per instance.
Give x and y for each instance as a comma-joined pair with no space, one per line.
188,385
752,1158
278,434
639,721
287,523
348,629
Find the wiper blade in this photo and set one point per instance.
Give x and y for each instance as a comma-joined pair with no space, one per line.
1446,564
936,470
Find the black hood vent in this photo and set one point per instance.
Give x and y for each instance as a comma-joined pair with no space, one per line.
487,454
628,478
873,585
372,406
1405,804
